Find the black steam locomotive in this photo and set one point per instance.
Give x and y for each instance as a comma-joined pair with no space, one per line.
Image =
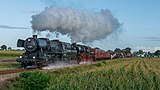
42,51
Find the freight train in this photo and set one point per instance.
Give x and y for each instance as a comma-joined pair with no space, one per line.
40,52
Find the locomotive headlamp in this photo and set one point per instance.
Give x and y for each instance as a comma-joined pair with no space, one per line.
29,40
34,57
20,57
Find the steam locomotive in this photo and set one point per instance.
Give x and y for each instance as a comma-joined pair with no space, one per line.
42,51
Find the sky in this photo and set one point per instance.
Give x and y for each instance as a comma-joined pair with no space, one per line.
139,18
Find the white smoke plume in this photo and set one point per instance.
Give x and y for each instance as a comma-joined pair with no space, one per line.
57,65
61,64
81,25
12,27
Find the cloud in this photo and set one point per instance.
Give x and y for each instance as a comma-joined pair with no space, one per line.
151,38
12,27
146,49
31,12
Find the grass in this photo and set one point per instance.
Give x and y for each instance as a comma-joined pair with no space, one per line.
10,54
120,74
8,60
9,65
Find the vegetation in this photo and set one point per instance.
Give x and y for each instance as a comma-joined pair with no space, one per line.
32,81
9,54
130,75
157,53
8,64
4,47
8,60
124,74
35,80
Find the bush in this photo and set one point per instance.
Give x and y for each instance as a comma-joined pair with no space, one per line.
33,80
100,64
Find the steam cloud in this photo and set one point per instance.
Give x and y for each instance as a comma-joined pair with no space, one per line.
11,27
81,25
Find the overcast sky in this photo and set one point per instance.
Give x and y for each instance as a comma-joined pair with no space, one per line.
140,18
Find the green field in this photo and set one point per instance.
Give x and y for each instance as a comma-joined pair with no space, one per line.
8,64
10,54
120,74
8,60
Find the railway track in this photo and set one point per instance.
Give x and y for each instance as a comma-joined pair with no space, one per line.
16,71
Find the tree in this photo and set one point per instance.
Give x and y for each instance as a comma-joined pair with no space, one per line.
157,53
4,47
110,51
117,50
9,48
135,53
140,51
118,53
128,50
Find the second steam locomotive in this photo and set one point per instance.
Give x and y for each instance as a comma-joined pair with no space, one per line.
42,51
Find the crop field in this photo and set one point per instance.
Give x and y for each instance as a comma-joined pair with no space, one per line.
8,60
8,64
9,54
136,73
120,74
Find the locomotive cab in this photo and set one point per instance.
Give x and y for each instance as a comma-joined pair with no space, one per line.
56,46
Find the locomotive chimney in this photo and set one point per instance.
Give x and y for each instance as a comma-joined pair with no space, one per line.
34,36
